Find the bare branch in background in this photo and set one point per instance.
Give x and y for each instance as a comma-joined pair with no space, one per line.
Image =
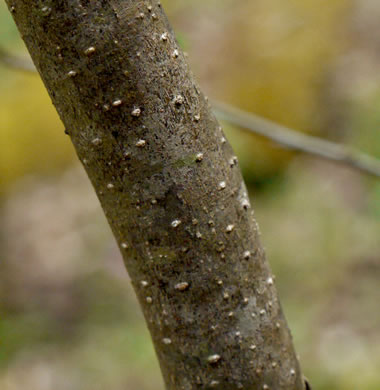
277,133
16,62
295,140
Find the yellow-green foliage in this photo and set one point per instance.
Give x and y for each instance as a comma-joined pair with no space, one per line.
280,62
31,134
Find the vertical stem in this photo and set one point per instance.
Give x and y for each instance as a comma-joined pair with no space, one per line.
171,189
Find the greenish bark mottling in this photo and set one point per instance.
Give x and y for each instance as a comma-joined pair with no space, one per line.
170,187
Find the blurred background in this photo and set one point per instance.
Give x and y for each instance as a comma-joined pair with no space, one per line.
68,316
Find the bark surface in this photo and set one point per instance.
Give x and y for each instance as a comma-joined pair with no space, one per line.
171,189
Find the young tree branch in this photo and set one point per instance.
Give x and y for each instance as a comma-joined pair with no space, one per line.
170,188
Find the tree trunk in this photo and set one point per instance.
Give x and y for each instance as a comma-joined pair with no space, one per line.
171,189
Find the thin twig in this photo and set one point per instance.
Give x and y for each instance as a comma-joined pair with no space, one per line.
16,62
298,141
282,135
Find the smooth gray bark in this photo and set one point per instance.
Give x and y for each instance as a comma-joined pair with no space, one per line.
171,189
